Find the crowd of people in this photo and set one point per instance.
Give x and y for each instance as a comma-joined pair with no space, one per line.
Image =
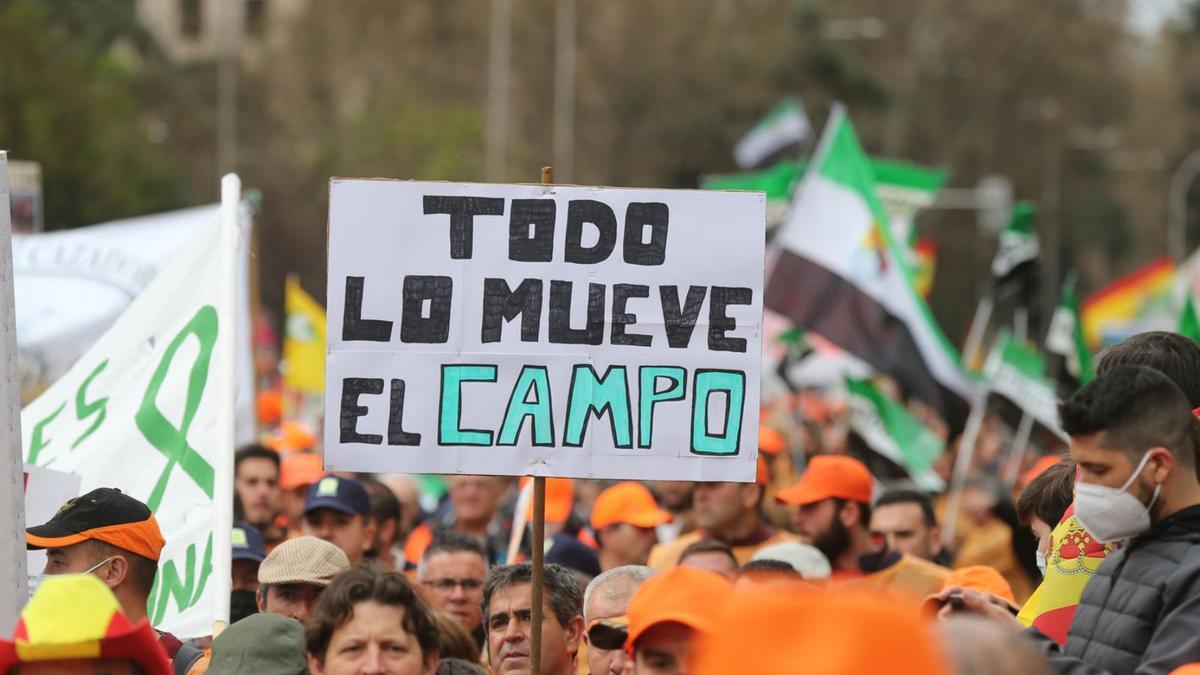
1089,564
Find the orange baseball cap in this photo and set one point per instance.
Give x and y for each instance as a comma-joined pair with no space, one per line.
850,632
1189,669
560,499
292,437
828,477
983,578
685,595
76,616
771,441
629,503
1044,462
300,470
104,514
270,406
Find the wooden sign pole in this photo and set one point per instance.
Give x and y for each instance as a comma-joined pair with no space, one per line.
538,545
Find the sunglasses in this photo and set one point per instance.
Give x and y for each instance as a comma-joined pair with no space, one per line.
608,636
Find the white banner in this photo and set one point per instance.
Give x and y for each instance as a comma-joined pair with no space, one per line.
71,285
544,330
140,411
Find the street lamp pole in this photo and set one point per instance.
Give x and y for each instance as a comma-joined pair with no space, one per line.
1181,181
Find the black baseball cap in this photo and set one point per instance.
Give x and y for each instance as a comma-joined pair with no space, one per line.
104,514
340,494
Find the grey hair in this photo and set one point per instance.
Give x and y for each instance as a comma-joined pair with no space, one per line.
450,541
619,582
566,600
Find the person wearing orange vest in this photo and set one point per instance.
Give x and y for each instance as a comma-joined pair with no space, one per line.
833,500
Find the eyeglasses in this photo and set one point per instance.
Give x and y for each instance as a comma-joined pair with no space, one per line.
448,585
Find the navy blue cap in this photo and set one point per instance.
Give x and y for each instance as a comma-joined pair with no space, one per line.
247,543
569,552
340,494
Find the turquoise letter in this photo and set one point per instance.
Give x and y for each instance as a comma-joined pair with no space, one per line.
533,380
450,431
649,395
609,394
707,382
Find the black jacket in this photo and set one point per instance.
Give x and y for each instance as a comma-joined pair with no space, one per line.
1140,613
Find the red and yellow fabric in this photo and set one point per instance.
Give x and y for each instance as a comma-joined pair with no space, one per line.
1073,559
1132,297
77,617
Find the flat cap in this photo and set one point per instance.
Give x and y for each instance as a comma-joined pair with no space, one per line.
303,560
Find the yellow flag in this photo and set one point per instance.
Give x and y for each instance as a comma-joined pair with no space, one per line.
303,340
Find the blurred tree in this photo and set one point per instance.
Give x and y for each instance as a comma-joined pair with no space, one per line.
69,101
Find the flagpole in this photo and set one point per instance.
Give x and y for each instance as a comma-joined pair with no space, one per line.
538,543
225,395
962,466
1012,466
12,515
979,324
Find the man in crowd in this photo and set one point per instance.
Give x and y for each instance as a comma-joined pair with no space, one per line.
474,503
256,480
1134,440
676,499
338,510
712,555
408,492
669,613
248,553
294,574
906,521
727,512
605,604
623,518
833,500
507,598
451,573
385,514
296,473
116,538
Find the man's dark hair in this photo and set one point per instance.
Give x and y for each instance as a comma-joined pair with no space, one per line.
771,566
709,546
1172,354
566,599
452,541
141,570
384,505
254,451
917,497
366,583
1048,495
1137,408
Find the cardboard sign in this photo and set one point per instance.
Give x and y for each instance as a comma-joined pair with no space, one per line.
46,491
544,330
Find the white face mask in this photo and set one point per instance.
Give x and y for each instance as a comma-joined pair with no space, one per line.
1111,514
35,580
1041,562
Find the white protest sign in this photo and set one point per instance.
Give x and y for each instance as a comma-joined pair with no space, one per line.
544,330
140,411
46,490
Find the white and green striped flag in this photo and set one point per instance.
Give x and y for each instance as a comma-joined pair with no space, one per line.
890,430
786,124
1017,373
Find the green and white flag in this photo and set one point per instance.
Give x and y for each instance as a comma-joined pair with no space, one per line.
839,272
145,410
1018,246
906,190
785,125
1065,336
890,430
1017,373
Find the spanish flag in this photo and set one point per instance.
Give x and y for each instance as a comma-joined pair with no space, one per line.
303,340
1073,559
